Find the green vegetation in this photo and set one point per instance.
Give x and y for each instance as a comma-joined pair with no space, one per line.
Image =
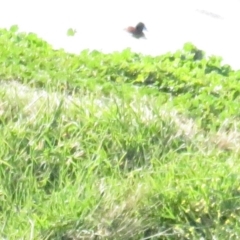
71,32
117,146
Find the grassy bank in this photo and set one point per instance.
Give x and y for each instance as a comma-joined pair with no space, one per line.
116,146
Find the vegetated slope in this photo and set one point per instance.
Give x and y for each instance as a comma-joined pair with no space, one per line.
93,145
200,85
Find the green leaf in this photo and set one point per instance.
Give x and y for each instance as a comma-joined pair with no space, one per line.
188,47
14,28
71,32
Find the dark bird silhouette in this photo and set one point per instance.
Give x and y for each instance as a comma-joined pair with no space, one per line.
137,31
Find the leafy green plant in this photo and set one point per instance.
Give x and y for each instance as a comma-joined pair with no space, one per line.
116,146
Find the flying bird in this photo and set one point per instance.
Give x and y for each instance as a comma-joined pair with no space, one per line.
137,31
